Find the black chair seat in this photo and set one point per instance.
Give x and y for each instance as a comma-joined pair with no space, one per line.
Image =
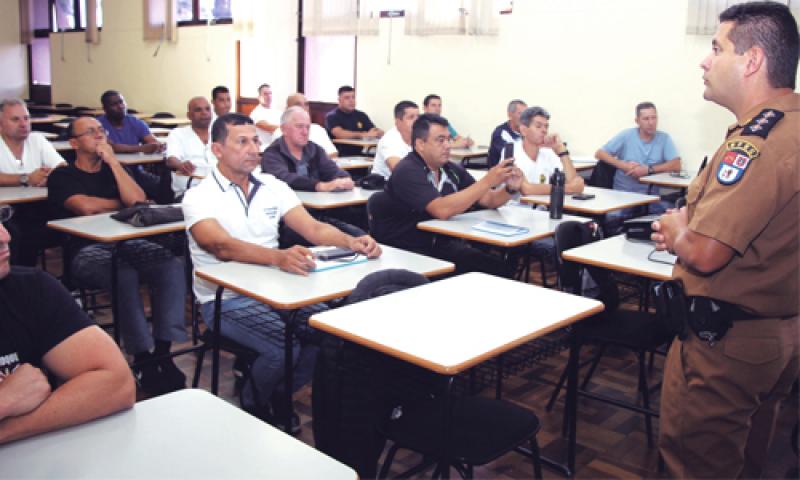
483,429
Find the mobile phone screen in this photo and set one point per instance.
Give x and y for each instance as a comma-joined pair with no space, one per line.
508,151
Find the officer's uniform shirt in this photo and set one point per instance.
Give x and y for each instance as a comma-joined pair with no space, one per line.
747,198
252,219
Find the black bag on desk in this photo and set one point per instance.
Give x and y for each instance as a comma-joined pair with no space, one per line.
145,215
373,181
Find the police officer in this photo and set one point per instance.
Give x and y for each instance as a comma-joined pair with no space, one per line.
737,244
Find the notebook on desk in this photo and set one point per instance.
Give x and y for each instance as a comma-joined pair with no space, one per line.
499,228
323,264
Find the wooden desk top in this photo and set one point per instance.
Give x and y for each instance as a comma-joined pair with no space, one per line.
327,200
581,162
353,163
61,145
537,222
153,439
19,194
453,324
367,142
47,119
472,152
103,228
666,179
605,201
617,253
169,122
160,131
288,291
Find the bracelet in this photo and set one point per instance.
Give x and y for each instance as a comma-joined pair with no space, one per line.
564,153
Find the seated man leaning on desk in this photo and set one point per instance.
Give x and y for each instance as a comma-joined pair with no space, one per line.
189,147
26,159
426,185
637,152
45,333
98,183
345,122
233,215
396,144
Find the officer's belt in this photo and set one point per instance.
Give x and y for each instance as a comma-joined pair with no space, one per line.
723,309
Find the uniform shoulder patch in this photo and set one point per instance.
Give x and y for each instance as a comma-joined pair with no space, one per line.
736,160
762,123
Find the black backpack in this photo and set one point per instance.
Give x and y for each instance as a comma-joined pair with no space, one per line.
347,401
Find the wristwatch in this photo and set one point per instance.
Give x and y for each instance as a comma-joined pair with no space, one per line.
23,179
564,153
650,170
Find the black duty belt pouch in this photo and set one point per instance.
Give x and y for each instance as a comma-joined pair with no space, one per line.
672,307
145,215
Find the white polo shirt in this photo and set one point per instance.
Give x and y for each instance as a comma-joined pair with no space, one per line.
269,115
254,221
37,152
390,145
539,171
185,145
316,134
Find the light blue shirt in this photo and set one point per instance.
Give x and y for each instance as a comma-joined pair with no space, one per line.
628,146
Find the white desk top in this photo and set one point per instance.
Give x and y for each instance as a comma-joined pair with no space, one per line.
47,119
537,222
169,122
581,162
189,434
284,290
103,228
617,253
139,158
325,200
61,145
367,142
12,195
352,163
421,326
667,179
49,135
605,200
471,152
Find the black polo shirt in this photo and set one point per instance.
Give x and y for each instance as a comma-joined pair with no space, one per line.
355,121
411,188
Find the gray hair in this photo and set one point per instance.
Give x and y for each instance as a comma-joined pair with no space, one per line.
526,117
10,102
513,104
287,114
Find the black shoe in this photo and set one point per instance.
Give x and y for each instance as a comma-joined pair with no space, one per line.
149,379
279,414
172,378
295,430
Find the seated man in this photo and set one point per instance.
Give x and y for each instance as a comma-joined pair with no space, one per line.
45,333
189,147
316,133
506,132
302,163
433,104
128,134
221,100
266,118
636,152
223,228
538,155
346,122
98,183
26,159
426,185
396,144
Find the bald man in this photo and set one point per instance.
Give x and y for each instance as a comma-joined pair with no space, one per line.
316,133
189,153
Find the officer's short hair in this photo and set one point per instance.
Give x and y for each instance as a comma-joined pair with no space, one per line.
401,107
644,106
287,114
770,26
10,102
526,117
219,131
345,89
429,98
219,90
422,126
512,105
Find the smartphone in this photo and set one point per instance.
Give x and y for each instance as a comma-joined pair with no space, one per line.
583,196
334,253
508,152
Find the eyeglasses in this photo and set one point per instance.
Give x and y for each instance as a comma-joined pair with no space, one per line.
6,212
91,131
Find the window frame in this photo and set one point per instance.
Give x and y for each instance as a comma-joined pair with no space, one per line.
197,22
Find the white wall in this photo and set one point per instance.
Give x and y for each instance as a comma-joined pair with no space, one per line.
587,62
202,58
13,55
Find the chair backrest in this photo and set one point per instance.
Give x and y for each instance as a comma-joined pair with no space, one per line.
573,234
162,115
602,175
380,206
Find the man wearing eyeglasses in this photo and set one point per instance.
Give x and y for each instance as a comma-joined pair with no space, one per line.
426,184
44,333
26,159
189,148
96,183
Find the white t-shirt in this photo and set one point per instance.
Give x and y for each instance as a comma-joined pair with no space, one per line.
390,145
316,134
539,171
257,222
37,152
185,145
269,115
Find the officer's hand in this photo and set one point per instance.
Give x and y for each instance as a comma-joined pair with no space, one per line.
23,391
296,259
344,183
499,173
365,245
186,168
669,228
